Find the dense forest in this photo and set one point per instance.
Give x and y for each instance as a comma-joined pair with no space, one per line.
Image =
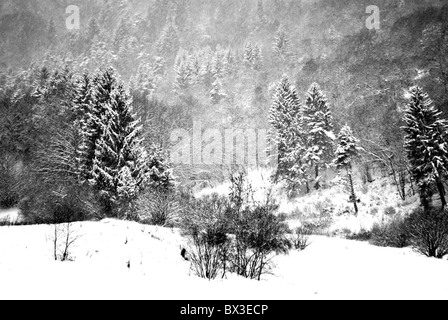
167,63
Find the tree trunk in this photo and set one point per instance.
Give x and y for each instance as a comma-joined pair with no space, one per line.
368,174
442,192
411,178
316,170
352,191
425,195
402,179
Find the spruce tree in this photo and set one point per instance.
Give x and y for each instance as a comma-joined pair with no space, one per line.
318,125
168,43
216,94
81,107
122,33
112,149
106,14
345,153
282,49
260,13
253,56
157,14
426,144
183,76
145,82
159,173
219,63
285,114
93,30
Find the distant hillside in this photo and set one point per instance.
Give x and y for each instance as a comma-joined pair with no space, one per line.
363,72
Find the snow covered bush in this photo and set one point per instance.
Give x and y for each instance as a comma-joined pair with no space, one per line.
429,232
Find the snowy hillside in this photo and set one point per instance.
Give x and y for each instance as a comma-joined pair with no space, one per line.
327,269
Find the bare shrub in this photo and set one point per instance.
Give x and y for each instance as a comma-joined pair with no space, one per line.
208,258
50,204
362,235
429,232
234,233
393,233
63,239
259,234
301,239
11,181
158,207
206,221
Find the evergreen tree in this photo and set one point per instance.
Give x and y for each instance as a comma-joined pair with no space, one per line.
426,144
157,15
260,12
253,56
248,48
218,63
112,148
93,30
183,73
182,15
107,14
345,153
318,125
122,33
168,43
285,115
282,49
146,80
159,173
126,56
101,55
216,95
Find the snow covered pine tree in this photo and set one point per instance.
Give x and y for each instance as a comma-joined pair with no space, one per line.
347,150
426,144
112,156
285,118
318,125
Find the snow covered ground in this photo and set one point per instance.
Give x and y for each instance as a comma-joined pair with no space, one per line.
329,268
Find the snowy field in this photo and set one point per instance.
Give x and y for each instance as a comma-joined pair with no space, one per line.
329,268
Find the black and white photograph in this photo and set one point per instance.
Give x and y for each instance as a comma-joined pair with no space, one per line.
223,150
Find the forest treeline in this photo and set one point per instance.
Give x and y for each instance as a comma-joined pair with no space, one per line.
155,66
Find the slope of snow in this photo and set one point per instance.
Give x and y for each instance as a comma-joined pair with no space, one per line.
328,269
